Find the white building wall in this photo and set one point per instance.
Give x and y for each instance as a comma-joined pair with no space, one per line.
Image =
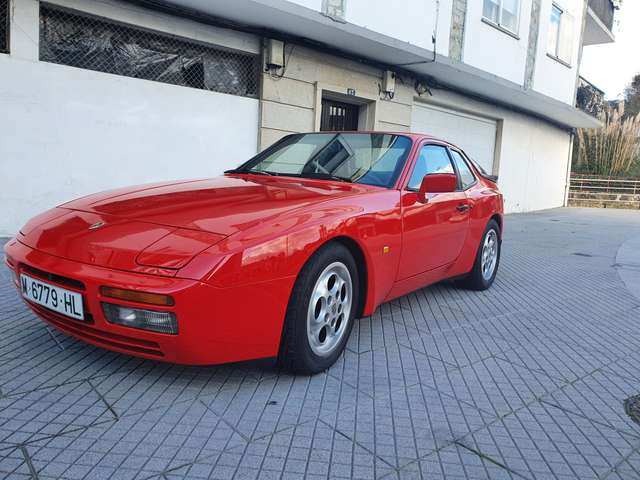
494,51
67,132
551,77
533,164
485,47
412,21
532,156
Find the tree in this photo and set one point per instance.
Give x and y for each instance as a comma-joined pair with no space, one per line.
632,97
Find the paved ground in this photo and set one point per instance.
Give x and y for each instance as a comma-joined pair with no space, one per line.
527,380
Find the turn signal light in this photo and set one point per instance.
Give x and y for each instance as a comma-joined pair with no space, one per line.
161,322
135,296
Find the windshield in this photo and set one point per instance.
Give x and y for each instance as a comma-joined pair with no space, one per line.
370,158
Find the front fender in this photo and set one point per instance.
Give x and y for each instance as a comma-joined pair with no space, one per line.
377,235
280,250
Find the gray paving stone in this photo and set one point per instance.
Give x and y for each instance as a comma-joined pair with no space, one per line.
542,441
458,347
600,398
151,442
51,411
627,367
311,448
628,468
564,361
523,381
408,424
455,463
495,386
384,370
152,385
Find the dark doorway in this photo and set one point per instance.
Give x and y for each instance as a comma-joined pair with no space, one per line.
338,116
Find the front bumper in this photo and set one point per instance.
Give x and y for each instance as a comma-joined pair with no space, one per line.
215,325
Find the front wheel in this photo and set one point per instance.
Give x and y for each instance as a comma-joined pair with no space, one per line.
487,260
321,311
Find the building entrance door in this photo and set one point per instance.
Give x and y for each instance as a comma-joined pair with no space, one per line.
338,116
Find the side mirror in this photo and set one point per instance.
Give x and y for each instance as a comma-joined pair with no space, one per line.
437,183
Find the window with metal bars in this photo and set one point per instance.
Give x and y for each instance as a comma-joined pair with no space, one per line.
93,43
338,116
4,26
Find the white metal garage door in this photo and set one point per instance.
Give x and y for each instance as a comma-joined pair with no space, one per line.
475,135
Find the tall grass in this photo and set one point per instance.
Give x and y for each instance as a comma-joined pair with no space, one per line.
613,150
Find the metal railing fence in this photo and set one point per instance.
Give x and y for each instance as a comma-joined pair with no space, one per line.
616,192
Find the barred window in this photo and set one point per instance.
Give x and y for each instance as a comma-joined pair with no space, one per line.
4,26
84,41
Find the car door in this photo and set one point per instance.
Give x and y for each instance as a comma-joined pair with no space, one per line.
434,231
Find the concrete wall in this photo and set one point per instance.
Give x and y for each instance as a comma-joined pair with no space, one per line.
531,156
291,102
67,132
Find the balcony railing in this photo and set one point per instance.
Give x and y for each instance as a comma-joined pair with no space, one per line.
604,9
590,98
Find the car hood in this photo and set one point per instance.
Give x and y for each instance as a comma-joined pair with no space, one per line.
160,228
222,205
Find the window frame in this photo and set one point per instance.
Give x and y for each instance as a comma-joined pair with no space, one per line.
7,27
417,156
556,55
499,25
467,163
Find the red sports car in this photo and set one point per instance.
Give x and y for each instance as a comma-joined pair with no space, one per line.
274,259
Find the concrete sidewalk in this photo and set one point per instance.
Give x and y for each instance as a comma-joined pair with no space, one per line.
527,380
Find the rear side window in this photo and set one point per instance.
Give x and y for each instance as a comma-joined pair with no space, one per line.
466,175
432,159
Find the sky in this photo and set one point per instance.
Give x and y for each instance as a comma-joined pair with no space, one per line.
610,67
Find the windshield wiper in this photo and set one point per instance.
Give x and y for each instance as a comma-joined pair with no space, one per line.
326,176
254,172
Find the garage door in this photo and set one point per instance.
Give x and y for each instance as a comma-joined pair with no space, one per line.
475,135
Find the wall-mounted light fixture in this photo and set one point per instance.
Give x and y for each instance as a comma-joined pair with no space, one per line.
274,54
421,88
388,86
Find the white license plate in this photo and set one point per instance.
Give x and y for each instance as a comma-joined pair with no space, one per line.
54,298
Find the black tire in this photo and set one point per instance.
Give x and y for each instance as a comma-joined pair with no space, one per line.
296,354
475,280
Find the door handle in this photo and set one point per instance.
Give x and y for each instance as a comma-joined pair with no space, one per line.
463,207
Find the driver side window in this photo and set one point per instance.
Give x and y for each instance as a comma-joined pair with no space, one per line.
431,159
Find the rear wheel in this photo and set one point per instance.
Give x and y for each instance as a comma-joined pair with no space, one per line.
321,311
487,260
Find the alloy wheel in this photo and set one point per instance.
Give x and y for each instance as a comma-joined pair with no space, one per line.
489,254
329,309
